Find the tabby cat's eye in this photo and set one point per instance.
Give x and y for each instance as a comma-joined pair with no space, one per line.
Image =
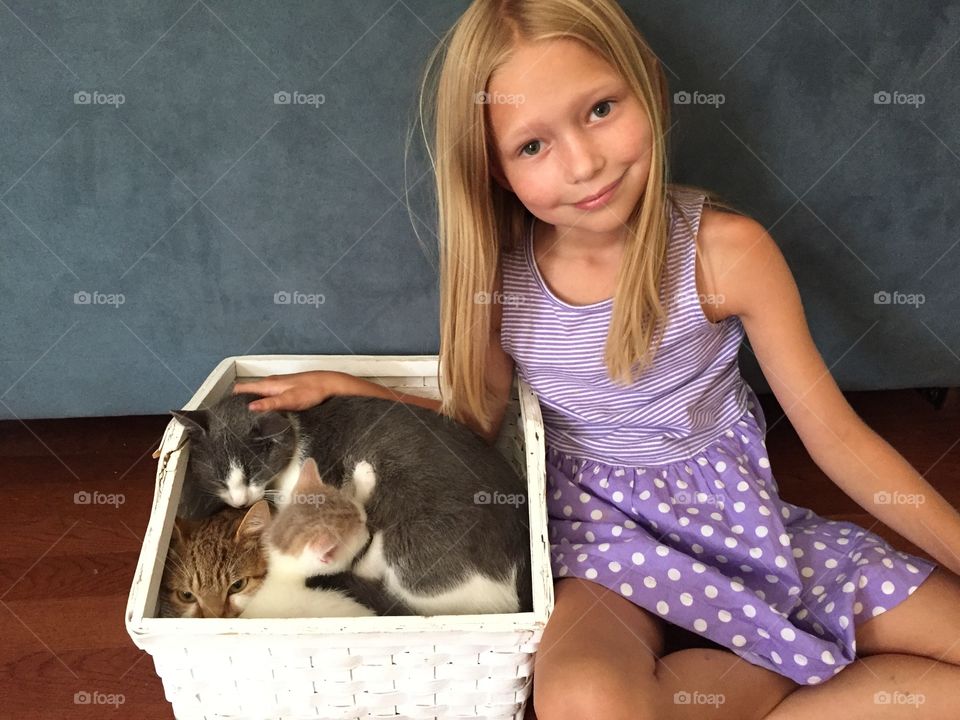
238,585
186,596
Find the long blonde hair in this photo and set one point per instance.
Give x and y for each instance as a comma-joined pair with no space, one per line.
479,220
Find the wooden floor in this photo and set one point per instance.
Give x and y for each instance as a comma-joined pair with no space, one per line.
66,568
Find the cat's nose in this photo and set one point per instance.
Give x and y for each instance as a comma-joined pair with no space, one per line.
238,497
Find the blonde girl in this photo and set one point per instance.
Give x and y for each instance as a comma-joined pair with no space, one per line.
569,256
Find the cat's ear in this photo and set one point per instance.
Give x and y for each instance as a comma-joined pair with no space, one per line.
270,426
181,530
255,521
310,480
197,422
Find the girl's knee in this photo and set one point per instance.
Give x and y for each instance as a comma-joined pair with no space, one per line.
588,688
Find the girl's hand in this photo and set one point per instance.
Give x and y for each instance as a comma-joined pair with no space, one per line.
295,391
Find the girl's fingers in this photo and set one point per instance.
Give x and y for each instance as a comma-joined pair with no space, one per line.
260,387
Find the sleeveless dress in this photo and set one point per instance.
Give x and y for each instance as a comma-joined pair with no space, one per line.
662,491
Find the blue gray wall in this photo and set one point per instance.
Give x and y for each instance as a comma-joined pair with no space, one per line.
145,160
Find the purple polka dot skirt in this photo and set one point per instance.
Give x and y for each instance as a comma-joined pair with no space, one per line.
707,544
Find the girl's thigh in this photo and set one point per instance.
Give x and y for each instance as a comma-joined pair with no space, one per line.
597,656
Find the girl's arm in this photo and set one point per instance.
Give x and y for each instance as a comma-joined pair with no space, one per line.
755,283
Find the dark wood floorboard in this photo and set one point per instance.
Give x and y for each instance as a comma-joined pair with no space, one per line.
65,569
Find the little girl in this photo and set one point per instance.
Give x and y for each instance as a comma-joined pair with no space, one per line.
623,299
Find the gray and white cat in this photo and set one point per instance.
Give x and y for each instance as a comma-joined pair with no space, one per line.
444,514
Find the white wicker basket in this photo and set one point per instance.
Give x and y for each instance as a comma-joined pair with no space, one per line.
415,667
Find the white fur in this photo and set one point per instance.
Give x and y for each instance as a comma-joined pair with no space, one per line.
237,493
478,594
284,594
286,479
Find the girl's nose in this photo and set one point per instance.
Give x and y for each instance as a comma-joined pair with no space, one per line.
583,160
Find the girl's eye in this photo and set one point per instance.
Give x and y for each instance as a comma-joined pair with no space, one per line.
536,143
238,585
529,144
603,103
186,596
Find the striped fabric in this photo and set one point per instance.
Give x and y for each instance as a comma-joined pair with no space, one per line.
691,393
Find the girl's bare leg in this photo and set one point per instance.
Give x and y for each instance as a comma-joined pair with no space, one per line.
908,663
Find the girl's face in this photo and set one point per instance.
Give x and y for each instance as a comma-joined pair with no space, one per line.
565,128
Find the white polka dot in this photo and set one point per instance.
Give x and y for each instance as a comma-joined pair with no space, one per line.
650,582
775,656
614,566
857,608
626,589
862,582
724,615
637,558
710,591
663,507
788,634
567,510
596,515
720,466
617,496
750,611
877,610
686,599
591,574
830,563
584,497
799,659
673,574
739,506
887,588
663,550
827,657
581,557
780,561
761,531
700,624
698,567
645,495
844,621
764,462
739,640
706,530
743,486
806,571
662,607
755,553
730,542
912,568
589,535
